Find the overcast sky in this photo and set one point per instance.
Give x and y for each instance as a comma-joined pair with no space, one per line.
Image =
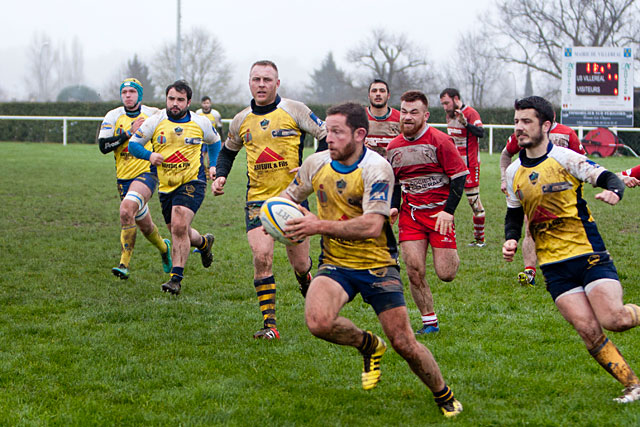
297,35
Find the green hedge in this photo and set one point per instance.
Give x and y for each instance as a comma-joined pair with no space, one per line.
85,132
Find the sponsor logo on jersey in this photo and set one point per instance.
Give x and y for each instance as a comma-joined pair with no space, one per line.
322,196
269,159
315,118
533,177
190,189
106,126
281,133
341,185
264,124
556,187
161,139
193,141
379,191
178,131
176,161
247,136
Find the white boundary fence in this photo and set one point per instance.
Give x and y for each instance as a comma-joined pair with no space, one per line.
66,119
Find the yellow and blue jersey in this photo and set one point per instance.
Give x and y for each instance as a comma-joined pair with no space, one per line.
180,143
117,122
213,115
273,143
550,190
346,192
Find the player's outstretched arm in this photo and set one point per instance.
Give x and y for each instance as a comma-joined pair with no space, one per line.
614,188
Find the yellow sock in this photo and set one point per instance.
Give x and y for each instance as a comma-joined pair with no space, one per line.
634,311
156,239
609,357
266,291
127,241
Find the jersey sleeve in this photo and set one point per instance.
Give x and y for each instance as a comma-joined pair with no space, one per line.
234,140
512,145
378,181
302,185
578,165
218,117
107,128
512,200
575,144
145,132
633,172
450,160
473,117
305,118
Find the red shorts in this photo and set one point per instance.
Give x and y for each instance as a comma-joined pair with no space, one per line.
421,226
473,179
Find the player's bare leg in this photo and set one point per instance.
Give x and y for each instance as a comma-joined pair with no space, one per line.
528,276
473,197
301,262
395,323
324,301
414,253
445,262
181,236
585,314
263,281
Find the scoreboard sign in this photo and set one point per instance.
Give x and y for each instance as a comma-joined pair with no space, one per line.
597,86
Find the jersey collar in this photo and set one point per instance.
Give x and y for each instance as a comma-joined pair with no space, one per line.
185,119
261,110
385,117
134,113
527,162
340,168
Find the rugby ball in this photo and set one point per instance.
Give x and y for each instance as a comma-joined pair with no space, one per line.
274,214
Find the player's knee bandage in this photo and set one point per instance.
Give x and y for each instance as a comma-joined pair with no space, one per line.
138,199
474,201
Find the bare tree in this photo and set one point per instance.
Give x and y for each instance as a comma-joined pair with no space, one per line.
393,58
42,59
536,30
475,70
204,66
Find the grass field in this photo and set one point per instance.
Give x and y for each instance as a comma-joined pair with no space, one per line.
79,347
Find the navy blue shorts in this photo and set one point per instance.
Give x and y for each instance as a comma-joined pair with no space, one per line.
381,288
189,195
563,276
252,214
147,178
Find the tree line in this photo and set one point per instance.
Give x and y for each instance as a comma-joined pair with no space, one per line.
516,52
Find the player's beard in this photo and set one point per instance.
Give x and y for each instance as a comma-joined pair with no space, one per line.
534,140
176,116
410,133
379,104
345,153
206,111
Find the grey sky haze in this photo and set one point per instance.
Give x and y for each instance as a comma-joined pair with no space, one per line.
297,35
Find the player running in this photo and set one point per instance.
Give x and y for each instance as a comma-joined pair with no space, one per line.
359,254
176,136
137,179
272,130
384,121
562,136
545,183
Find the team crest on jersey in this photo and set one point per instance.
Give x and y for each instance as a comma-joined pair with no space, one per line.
264,124
533,177
178,131
379,191
341,185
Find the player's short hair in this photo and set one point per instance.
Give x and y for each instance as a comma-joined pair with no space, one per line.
378,81
543,108
205,98
265,63
180,86
415,95
355,114
452,92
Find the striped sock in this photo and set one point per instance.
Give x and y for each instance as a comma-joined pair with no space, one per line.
266,291
443,396
430,319
478,228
